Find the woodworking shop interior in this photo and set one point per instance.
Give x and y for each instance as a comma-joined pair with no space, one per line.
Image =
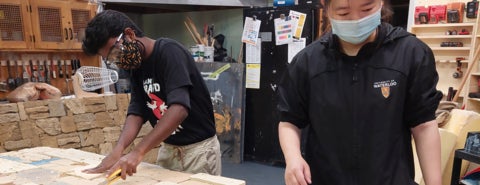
64,111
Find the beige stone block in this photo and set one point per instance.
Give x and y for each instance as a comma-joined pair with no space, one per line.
8,108
21,111
94,137
119,117
111,134
151,156
158,173
51,126
77,156
122,102
166,183
50,141
93,100
71,145
87,117
2,150
194,182
9,166
9,117
9,131
92,149
110,102
73,180
57,108
7,179
39,109
81,126
95,108
75,105
39,115
146,128
16,145
38,103
105,148
69,140
29,130
216,180
67,124
103,116
77,172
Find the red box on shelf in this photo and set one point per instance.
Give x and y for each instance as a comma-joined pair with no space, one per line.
438,14
421,10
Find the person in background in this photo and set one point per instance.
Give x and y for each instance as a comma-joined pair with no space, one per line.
166,89
363,89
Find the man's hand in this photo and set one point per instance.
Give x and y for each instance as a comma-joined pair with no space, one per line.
297,172
106,164
128,164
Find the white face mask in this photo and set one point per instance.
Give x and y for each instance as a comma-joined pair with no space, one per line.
356,31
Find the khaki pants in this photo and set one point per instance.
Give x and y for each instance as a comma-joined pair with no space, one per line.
201,157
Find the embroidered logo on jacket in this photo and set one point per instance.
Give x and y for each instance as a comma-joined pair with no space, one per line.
385,87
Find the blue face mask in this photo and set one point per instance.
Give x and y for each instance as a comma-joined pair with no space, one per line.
356,31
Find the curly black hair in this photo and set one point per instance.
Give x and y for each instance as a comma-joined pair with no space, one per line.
105,25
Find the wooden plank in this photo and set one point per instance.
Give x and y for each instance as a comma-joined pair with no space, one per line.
216,180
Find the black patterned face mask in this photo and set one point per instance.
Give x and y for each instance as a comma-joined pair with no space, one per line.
130,57
125,55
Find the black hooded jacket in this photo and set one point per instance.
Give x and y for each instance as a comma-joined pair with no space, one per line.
360,109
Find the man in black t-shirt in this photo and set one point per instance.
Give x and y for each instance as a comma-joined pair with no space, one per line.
167,90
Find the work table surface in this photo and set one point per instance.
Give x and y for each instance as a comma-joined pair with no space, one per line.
46,165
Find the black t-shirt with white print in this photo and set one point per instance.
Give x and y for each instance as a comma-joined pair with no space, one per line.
169,76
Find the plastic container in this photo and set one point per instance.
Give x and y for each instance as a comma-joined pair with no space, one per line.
209,54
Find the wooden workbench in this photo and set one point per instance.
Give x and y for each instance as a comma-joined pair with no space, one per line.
45,165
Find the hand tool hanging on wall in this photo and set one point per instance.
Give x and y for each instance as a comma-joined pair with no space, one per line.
18,79
25,73
65,68
467,74
41,75
53,69
59,67
74,66
3,83
10,80
33,70
459,73
46,64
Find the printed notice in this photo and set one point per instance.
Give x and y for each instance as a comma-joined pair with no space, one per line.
253,76
295,47
283,31
253,53
251,30
300,21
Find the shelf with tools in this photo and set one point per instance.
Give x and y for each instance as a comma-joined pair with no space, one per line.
453,41
40,41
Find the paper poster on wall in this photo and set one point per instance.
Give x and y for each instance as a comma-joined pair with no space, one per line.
294,47
299,18
253,53
252,76
251,30
283,30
